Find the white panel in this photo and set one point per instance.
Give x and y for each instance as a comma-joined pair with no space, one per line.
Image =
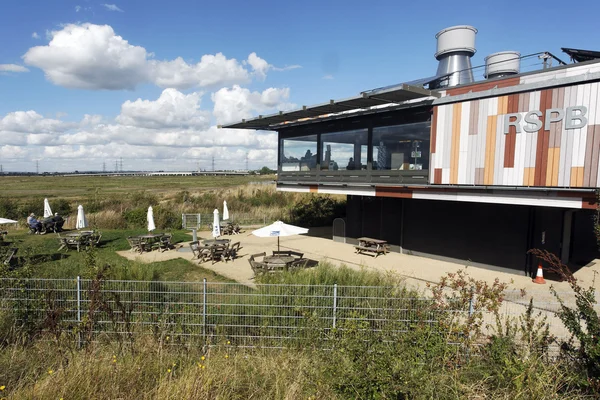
447,149
495,198
446,176
432,157
518,171
463,145
566,152
439,139
481,137
297,189
580,135
581,70
472,159
591,106
343,190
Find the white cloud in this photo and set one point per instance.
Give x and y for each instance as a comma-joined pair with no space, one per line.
212,70
328,77
31,122
261,67
240,103
169,132
91,56
112,7
35,35
12,68
172,109
77,8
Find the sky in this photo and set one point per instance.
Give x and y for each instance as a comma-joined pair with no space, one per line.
85,84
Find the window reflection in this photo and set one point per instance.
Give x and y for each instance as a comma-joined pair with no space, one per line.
401,147
344,150
299,153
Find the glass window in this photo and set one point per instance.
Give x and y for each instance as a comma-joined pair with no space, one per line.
299,153
401,147
342,151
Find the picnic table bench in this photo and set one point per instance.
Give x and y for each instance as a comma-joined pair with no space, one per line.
79,240
371,245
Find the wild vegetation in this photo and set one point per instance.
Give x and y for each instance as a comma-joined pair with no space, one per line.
437,355
122,202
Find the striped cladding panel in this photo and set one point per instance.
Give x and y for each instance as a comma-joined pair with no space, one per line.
474,144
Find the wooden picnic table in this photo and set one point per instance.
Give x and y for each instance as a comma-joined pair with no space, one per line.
79,239
279,261
212,242
376,246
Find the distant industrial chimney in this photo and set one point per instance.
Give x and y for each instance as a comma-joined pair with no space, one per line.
502,64
455,47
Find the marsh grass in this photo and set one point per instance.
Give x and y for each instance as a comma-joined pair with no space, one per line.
39,254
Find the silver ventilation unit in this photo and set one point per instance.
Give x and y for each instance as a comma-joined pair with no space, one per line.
455,47
501,64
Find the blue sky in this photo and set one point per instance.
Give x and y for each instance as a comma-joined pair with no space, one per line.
67,59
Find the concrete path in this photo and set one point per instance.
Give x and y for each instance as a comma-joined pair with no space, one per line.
417,271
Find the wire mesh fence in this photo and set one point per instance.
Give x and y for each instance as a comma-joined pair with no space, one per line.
258,316
204,221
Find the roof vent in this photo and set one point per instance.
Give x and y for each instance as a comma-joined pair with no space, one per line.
455,47
501,64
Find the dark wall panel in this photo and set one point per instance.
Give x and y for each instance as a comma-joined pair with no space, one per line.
584,247
485,233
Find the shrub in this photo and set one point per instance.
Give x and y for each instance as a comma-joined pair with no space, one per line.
317,211
582,322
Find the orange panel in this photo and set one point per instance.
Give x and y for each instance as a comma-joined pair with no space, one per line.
528,176
576,176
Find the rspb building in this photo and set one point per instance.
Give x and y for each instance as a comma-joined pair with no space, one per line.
459,168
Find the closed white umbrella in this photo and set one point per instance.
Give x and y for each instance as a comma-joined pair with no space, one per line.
278,229
216,231
81,220
47,209
225,211
7,221
150,219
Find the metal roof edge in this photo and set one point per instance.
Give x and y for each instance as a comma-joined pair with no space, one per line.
586,77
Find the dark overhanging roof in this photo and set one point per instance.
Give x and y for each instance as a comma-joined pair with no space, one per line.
378,97
579,55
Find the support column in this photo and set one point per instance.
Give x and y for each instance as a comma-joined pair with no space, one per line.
566,236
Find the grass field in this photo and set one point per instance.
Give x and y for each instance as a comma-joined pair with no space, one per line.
38,257
82,186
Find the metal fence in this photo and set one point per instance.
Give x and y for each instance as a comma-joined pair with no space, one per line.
257,316
204,221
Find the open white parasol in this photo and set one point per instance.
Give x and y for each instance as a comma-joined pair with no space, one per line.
278,229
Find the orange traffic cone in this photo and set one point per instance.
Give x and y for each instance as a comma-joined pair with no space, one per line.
539,278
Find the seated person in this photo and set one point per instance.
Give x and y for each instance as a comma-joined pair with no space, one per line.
58,222
48,224
351,164
34,224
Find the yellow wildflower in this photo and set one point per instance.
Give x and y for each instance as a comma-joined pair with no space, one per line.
169,370
174,364
226,355
50,371
203,358
204,366
228,342
2,387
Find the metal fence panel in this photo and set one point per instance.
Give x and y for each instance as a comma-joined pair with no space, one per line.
262,315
